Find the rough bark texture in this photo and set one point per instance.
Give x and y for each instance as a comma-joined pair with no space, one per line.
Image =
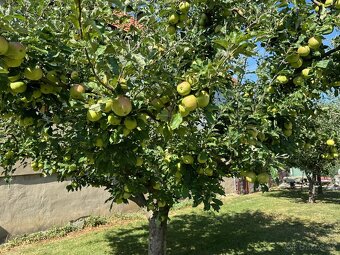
157,233
311,188
319,184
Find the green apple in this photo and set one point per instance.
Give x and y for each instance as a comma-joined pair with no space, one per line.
314,43
203,20
171,30
108,103
93,116
139,161
282,79
303,51
126,195
202,157
288,125
127,189
14,78
288,132
208,171
173,19
15,50
18,86
10,62
250,176
99,142
161,203
121,106
130,123
52,76
126,132
36,93
297,64
252,131
292,58
203,99
77,91
337,5
113,120
190,102
328,3
183,111
270,90
305,72
261,136
200,171
335,155
47,88
156,186
330,142
74,75
263,178
184,88
298,81
188,159
3,45
33,73
184,7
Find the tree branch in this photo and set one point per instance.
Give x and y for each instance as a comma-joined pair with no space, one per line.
139,200
328,53
86,51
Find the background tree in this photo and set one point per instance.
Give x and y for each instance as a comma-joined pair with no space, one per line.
160,109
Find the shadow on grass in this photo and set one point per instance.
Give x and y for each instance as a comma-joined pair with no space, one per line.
302,196
243,233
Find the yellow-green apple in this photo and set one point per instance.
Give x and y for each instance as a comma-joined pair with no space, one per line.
3,45
52,76
314,43
36,93
121,106
330,142
18,86
184,7
288,132
297,64
99,142
33,73
113,120
93,115
202,157
282,79
183,111
288,125
190,102
77,91
47,88
173,19
250,176
11,62
184,88
263,178
305,72
130,123
156,186
188,159
203,99
171,30
303,51
298,81
15,50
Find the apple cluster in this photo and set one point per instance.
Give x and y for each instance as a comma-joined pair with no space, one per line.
261,178
189,102
328,4
178,18
332,150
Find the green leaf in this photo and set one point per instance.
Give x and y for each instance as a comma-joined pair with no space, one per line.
114,65
323,64
176,121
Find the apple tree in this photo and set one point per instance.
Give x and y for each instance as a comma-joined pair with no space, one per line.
151,100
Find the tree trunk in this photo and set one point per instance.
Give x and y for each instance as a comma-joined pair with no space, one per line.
311,188
319,183
157,232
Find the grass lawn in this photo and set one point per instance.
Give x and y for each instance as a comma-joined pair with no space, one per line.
274,223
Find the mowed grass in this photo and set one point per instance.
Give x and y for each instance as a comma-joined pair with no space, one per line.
274,223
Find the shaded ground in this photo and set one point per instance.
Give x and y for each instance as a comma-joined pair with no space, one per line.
271,223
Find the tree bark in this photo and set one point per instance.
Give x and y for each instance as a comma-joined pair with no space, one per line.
311,188
319,183
157,232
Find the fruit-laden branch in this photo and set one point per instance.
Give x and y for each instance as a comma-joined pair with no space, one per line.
86,51
316,3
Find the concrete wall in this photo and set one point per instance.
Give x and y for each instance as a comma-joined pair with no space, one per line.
32,203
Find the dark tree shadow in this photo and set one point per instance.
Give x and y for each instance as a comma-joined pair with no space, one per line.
243,233
301,196
3,235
